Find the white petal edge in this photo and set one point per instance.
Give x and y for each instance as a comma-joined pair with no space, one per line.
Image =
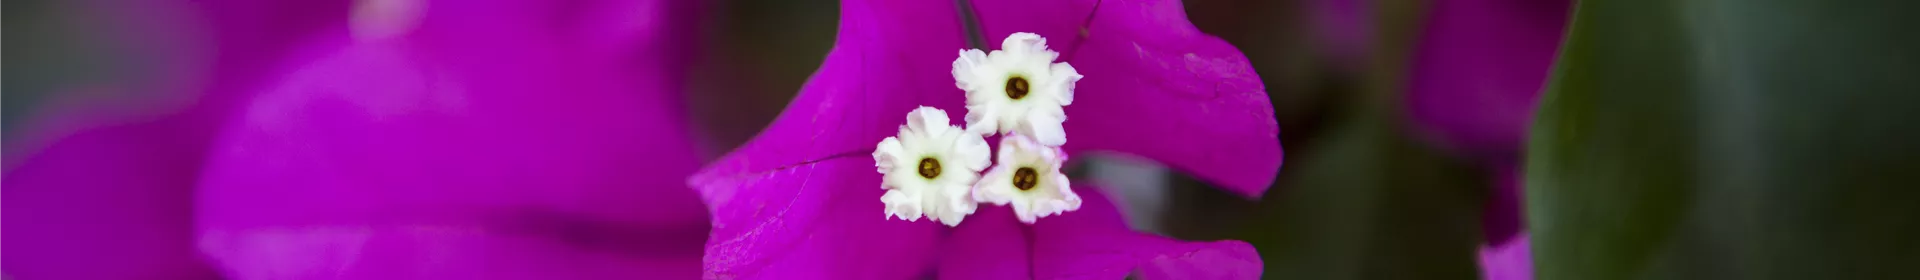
1064,77
967,68
931,120
884,154
1045,128
980,122
897,206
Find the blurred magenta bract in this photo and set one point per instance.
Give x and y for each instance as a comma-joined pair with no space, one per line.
1479,68
801,200
467,139
474,139
1477,73
1509,260
99,183
1342,29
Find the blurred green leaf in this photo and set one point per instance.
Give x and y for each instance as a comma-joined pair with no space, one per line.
1371,203
1727,139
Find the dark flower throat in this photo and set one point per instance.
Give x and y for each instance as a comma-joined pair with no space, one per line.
1016,87
1025,178
929,168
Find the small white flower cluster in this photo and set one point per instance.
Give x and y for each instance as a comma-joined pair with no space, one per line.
1016,92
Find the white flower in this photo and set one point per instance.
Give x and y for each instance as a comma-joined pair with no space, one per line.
1016,89
1028,176
930,168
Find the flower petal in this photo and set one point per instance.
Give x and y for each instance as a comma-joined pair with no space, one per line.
1341,29
107,197
978,154
1504,217
102,188
884,153
800,200
883,65
928,119
812,220
440,252
1156,87
978,121
1479,69
629,28
1095,243
1512,260
990,245
1064,78
967,68
455,132
1046,128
